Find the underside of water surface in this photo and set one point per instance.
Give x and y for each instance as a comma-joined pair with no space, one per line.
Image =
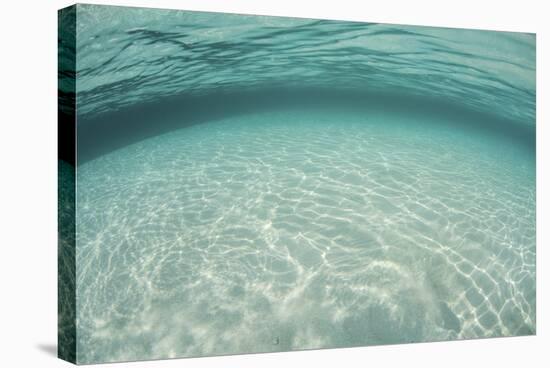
319,184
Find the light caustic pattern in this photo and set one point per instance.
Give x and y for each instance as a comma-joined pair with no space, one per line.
280,231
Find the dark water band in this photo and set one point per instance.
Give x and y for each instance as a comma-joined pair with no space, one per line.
107,132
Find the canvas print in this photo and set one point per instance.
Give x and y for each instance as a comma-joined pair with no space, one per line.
236,184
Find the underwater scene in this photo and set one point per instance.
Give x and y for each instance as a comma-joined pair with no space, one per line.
252,184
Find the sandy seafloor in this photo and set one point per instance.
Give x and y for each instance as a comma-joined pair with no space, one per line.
284,230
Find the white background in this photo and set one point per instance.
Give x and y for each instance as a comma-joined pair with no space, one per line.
28,181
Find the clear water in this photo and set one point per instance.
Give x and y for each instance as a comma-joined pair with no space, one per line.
337,222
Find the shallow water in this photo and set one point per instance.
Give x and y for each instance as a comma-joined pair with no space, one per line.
336,222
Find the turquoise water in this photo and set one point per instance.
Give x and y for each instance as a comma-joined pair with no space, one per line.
307,184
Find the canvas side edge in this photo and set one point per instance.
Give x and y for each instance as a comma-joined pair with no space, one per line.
66,125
